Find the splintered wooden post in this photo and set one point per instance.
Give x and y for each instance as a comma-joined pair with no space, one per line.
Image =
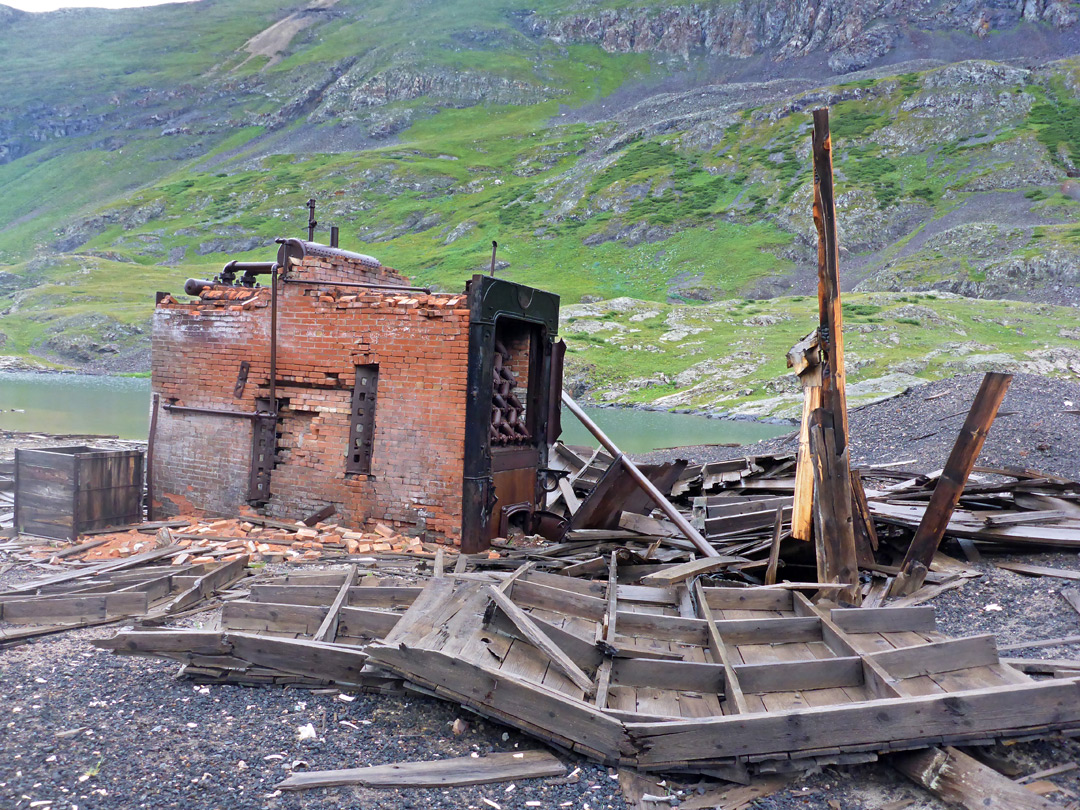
950,486
804,360
829,424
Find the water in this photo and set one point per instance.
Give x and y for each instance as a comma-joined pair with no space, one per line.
636,431
75,403
120,406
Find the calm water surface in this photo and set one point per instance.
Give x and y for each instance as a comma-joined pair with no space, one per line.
120,406
75,403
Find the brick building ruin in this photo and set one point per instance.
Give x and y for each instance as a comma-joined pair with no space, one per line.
337,383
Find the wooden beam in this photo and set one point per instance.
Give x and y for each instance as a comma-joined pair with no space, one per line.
539,639
328,629
673,574
950,486
959,779
736,701
774,549
457,772
700,543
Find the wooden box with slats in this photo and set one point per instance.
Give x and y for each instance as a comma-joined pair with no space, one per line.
61,492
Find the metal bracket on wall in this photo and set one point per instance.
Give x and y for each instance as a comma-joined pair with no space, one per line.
241,378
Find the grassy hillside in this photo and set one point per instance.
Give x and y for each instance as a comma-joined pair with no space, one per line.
729,356
138,149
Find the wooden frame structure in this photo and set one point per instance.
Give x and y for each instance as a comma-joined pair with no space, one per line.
677,678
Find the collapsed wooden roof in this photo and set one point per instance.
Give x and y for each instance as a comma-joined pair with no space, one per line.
714,680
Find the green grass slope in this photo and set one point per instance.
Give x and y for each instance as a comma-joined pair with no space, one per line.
147,147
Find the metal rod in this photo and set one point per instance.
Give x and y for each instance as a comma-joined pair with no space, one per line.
494,247
211,411
150,456
311,223
363,285
673,514
273,340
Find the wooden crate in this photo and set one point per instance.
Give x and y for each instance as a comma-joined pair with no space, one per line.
61,492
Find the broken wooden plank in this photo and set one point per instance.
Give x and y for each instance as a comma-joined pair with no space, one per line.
866,539
804,358
99,568
220,577
951,484
640,791
1039,570
774,549
457,772
957,778
735,798
1045,642
673,574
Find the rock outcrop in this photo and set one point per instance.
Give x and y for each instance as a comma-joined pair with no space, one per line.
853,33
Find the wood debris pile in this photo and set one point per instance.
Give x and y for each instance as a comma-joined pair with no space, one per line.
149,587
681,676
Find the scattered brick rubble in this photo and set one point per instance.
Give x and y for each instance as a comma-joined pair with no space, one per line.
227,539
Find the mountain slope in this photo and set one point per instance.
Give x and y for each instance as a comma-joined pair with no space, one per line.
612,148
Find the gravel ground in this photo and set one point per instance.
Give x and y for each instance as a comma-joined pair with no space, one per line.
85,729
88,729
1032,429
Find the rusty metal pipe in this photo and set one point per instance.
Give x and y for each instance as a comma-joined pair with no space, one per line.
665,506
209,411
194,286
252,268
273,340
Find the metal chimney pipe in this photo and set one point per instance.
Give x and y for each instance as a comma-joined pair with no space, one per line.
311,223
333,236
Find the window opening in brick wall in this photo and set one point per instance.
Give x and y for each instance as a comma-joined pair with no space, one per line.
514,377
362,420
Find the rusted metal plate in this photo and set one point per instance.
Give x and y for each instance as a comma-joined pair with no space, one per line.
362,420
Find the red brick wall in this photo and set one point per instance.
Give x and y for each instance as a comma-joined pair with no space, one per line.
420,343
342,269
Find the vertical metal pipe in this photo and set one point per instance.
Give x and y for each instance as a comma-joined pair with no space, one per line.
333,236
673,514
494,247
273,339
150,457
311,223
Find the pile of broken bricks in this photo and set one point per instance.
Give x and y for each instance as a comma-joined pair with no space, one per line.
222,540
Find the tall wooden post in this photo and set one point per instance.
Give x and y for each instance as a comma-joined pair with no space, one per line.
837,561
